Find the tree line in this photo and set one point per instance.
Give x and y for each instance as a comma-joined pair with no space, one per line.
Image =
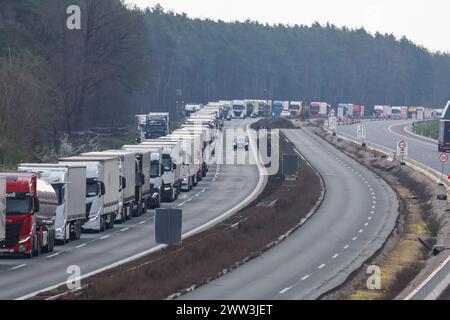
124,61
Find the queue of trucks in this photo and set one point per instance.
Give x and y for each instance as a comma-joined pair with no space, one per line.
46,204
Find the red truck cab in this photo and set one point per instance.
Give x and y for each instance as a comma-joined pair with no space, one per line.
30,215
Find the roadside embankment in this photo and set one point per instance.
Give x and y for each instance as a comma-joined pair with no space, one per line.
420,225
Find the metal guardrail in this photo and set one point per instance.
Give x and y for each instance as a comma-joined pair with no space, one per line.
435,284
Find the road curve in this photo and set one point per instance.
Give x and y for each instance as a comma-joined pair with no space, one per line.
357,215
388,133
224,187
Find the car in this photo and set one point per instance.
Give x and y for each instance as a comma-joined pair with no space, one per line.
228,117
253,115
240,142
285,114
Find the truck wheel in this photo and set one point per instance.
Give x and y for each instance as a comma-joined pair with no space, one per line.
37,246
110,224
102,224
173,196
76,231
51,242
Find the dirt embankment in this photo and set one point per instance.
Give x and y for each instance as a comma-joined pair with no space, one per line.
420,218
209,254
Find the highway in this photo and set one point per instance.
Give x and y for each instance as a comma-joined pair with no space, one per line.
225,186
358,213
388,133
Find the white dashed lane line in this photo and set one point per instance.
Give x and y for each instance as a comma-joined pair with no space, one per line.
321,266
81,245
305,277
335,256
18,267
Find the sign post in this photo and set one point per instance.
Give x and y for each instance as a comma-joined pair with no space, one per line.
443,158
332,122
361,133
402,150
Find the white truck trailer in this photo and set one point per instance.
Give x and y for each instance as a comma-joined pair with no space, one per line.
69,182
2,208
127,167
148,187
102,190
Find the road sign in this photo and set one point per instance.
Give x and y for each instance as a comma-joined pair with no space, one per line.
443,157
402,149
361,132
291,165
332,123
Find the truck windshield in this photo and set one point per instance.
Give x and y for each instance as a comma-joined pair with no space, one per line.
294,107
18,206
167,162
238,107
154,169
92,188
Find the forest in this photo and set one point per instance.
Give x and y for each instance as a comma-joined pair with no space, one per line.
55,81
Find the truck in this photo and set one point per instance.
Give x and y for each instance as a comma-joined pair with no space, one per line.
69,183
191,108
319,108
171,161
295,109
412,112
358,111
2,209
404,113
149,186
342,110
30,215
238,109
103,185
444,130
277,108
155,125
396,113
378,112
127,170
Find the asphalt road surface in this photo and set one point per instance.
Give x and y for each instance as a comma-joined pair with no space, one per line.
388,133
357,215
225,186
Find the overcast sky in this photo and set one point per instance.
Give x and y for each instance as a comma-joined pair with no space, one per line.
426,22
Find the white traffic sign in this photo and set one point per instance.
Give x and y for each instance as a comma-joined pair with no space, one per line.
332,123
361,132
402,148
443,157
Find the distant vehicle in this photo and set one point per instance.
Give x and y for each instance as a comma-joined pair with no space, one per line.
2,209
412,112
444,130
396,113
191,108
238,109
319,108
254,115
285,114
228,117
240,142
30,210
314,108
378,112
277,108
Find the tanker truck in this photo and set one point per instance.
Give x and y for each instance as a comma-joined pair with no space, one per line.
30,210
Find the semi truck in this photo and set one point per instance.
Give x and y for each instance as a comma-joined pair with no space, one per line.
127,171
277,108
396,113
69,183
157,124
171,161
191,108
102,190
444,130
238,109
378,112
151,173
30,215
2,209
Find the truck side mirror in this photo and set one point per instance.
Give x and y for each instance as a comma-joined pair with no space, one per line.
123,182
35,204
162,169
174,166
102,189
